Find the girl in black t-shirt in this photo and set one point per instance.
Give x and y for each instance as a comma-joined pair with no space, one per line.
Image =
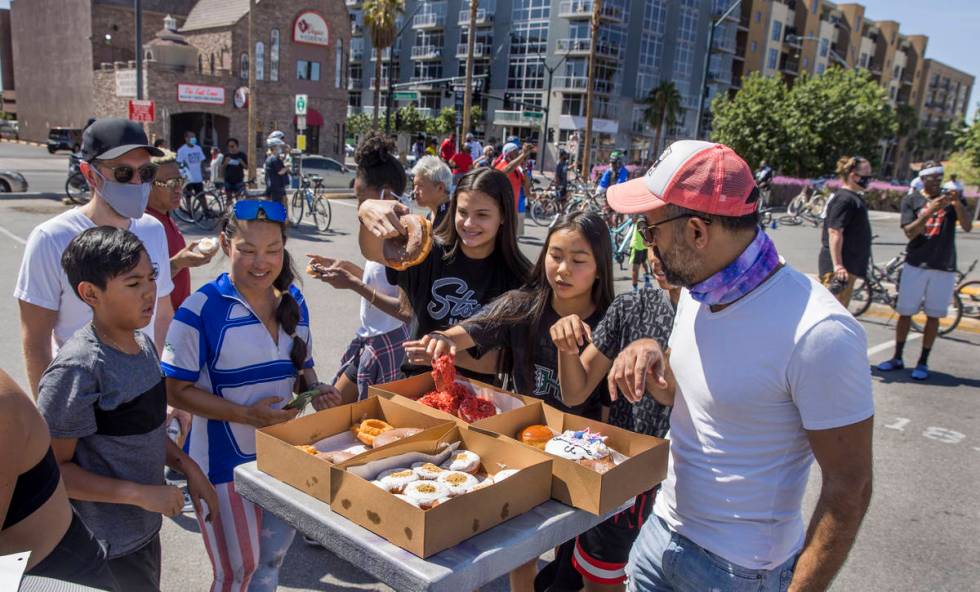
474,259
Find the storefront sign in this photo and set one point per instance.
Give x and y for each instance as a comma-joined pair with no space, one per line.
141,111
311,28
199,93
126,83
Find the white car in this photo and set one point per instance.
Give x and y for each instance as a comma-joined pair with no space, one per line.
335,174
11,181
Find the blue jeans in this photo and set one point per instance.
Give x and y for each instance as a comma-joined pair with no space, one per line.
664,561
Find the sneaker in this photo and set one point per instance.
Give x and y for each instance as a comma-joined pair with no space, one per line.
647,283
892,364
311,542
636,290
921,372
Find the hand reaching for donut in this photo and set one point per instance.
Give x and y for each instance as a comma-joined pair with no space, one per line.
381,217
570,333
421,352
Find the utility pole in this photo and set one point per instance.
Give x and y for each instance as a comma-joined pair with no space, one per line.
596,12
468,90
547,106
251,90
138,9
702,90
389,100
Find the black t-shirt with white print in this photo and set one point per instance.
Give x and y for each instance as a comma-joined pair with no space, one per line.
642,315
446,291
540,378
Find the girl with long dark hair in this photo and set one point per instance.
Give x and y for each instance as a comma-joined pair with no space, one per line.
237,350
474,259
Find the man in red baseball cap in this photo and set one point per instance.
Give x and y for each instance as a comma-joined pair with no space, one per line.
771,372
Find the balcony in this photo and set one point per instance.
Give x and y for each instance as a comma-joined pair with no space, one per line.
480,50
355,83
715,77
356,54
353,3
428,21
384,83
356,29
426,52
578,84
483,18
515,119
385,55
722,46
792,38
743,23
580,47
582,9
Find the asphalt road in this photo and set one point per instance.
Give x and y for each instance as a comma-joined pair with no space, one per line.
921,532
44,172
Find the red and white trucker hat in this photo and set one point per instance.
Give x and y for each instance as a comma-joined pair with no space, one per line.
700,176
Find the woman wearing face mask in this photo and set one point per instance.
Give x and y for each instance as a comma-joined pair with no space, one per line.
846,233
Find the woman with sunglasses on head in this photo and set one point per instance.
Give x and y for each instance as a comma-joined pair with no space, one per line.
238,349
474,259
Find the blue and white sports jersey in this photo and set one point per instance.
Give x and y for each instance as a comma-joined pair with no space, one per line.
217,342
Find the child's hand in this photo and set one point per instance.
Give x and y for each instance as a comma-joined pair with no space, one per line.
162,499
329,397
262,414
415,352
570,334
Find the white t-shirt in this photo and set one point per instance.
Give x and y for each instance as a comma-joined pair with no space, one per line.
190,158
374,321
476,149
752,378
43,282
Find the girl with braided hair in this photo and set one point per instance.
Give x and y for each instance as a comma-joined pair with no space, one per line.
237,350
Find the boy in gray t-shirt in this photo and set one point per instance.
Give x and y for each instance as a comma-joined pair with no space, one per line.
105,402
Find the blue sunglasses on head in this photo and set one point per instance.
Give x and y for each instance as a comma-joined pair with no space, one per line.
260,209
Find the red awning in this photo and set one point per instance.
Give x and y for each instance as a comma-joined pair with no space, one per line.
313,118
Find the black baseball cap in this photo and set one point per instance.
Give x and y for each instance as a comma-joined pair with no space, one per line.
111,137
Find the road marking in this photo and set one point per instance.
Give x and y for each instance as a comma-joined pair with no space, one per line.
6,232
889,344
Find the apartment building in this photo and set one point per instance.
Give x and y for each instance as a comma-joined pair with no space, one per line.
526,48
790,38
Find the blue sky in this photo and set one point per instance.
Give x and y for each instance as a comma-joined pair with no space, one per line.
952,27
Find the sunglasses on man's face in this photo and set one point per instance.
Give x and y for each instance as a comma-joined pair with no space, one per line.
125,173
649,231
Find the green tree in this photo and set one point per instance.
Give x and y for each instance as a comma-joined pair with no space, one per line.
380,17
358,124
410,120
751,122
968,141
662,107
476,117
443,123
965,166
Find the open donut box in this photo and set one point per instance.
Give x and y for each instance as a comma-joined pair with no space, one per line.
277,455
579,486
408,391
426,532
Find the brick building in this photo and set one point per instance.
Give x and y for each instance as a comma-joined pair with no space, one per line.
196,71
7,64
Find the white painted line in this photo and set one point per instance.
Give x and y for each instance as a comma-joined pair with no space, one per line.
347,203
6,232
890,344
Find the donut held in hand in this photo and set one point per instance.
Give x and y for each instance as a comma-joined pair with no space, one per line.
404,251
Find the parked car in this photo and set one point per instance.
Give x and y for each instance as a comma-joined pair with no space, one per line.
335,174
12,181
64,138
9,129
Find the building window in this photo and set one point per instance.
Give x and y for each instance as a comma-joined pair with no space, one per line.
824,47
821,68
260,61
773,59
200,64
339,64
777,31
755,47
274,55
243,67
806,63
863,62
211,63
307,70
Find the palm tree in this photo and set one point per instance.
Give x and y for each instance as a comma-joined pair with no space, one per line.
380,17
663,107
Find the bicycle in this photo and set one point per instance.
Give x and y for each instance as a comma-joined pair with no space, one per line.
308,196
545,207
807,206
76,187
621,237
969,292
204,208
873,288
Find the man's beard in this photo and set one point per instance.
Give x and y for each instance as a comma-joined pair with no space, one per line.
680,266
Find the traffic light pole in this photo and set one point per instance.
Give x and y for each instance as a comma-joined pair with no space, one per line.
703,89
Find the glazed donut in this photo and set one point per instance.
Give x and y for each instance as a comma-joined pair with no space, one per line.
426,493
536,435
389,436
402,252
463,460
457,482
395,480
428,471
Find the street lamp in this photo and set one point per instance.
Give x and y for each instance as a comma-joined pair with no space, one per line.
707,56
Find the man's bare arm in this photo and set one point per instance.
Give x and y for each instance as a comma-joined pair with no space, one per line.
36,326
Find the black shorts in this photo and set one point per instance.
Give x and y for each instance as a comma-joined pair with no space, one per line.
638,256
601,553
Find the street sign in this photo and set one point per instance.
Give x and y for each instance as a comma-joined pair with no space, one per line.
406,95
301,142
533,114
142,111
459,119
301,102
459,101
301,122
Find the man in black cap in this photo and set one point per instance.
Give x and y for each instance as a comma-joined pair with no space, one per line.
116,163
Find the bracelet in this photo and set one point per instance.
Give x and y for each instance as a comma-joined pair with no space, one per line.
374,294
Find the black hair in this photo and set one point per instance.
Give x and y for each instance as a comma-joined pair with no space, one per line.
377,164
288,313
99,254
730,223
159,143
230,140
531,300
496,185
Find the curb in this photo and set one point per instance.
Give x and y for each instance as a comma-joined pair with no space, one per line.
25,142
32,195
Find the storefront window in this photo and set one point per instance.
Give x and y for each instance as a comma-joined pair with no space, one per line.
274,55
339,64
260,61
243,66
306,70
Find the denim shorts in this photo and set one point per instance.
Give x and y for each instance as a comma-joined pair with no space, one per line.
664,561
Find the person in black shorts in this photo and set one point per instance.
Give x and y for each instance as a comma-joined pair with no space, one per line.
597,558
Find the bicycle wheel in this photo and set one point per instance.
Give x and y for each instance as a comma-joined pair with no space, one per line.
322,213
969,294
296,210
816,205
790,219
860,298
77,189
795,205
544,212
954,312
208,210
185,211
